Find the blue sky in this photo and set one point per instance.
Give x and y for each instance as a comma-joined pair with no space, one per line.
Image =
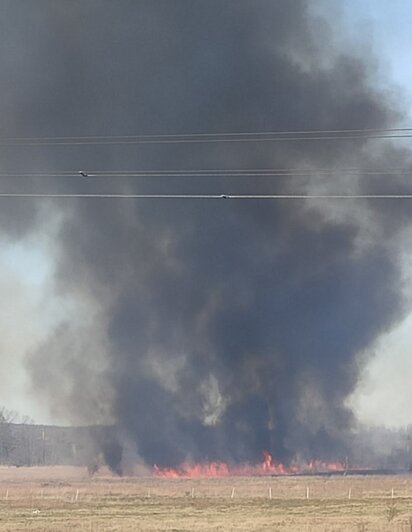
387,24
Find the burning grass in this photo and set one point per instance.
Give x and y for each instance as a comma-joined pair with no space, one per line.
298,503
267,467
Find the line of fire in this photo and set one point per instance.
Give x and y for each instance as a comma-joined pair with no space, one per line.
25,444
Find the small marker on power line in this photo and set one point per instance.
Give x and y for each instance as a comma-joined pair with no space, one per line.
83,174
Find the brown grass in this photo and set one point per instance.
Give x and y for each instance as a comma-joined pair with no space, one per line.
43,499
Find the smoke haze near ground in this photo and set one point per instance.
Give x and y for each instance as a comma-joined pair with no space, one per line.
204,329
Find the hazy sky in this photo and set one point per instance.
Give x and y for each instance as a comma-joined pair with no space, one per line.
386,25
385,393
26,268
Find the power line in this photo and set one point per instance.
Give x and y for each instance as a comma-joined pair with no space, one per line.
258,172
209,196
272,171
177,138
215,134
202,141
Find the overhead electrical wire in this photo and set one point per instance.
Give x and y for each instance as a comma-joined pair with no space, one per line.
208,196
183,138
273,136
262,172
246,172
218,134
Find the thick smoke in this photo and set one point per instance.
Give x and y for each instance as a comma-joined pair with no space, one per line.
206,329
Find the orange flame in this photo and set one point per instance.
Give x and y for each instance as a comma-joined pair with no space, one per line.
267,467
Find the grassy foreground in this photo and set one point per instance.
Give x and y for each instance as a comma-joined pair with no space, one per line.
44,502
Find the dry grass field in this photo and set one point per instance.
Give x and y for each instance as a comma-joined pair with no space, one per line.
63,499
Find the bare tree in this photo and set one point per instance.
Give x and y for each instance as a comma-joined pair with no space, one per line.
8,416
7,443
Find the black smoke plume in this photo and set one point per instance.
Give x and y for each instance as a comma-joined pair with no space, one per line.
204,329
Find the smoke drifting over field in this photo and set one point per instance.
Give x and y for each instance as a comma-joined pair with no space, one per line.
204,329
